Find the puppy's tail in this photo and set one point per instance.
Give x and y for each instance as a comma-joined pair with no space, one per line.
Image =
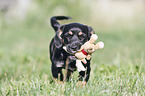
55,24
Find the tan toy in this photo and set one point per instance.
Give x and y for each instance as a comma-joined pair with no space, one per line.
86,50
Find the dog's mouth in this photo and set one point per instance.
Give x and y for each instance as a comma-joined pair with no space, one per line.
69,50
73,47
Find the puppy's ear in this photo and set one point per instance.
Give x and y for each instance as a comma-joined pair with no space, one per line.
90,32
61,29
58,39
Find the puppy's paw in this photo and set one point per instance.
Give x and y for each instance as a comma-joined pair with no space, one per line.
81,83
58,81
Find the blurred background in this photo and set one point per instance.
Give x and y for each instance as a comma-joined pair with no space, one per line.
25,33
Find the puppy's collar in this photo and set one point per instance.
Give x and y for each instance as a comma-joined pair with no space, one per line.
84,52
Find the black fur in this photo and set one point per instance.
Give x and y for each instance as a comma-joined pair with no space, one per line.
72,42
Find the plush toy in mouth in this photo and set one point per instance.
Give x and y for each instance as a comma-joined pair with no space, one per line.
86,51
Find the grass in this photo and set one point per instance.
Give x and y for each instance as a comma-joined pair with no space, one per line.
118,69
25,67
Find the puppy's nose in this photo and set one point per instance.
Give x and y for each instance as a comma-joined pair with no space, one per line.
75,46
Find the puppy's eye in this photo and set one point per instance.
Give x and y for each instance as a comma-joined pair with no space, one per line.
68,35
70,32
81,36
80,33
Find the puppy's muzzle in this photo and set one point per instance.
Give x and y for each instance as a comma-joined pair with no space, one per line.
74,46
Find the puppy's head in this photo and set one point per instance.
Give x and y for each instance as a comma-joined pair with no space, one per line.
74,35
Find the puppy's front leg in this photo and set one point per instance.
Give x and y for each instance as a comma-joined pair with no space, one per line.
57,72
84,75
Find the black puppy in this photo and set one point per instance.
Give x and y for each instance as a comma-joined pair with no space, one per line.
72,36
